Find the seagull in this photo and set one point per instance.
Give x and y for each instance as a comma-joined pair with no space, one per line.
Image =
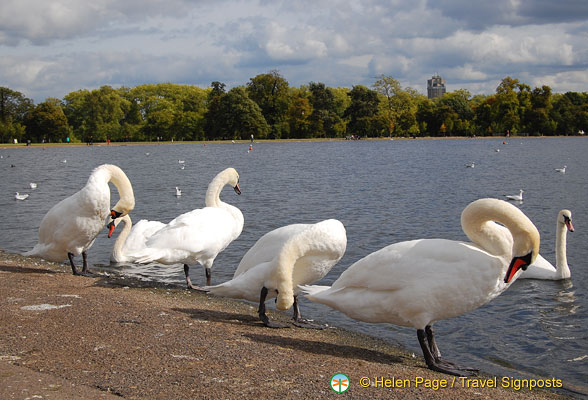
64,161
178,191
33,185
147,154
515,197
498,150
182,166
472,165
19,196
562,170
180,161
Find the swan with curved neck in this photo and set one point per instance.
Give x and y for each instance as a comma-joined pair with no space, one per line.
70,227
543,269
199,235
282,259
419,282
132,238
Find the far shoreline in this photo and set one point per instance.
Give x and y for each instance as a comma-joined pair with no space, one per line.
247,141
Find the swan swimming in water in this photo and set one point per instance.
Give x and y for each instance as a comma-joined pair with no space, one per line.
282,259
418,282
199,235
515,197
543,269
132,238
70,227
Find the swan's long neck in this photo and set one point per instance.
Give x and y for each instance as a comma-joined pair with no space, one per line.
477,221
215,187
112,173
561,259
117,253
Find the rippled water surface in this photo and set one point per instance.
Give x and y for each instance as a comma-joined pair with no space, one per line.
383,192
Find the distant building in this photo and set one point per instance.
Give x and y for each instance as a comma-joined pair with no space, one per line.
435,87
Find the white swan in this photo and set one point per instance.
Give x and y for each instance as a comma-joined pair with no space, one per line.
515,197
71,226
543,269
199,235
418,282
130,241
19,196
282,259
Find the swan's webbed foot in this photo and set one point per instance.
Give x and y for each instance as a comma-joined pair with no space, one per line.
261,312
433,356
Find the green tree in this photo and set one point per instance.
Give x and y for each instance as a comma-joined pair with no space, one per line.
270,91
362,112
47,122
13,108
324,119
299,113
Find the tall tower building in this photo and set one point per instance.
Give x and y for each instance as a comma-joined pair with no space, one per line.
435,87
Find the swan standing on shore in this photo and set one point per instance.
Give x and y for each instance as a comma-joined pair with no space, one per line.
71,226
419,282
199,235
543,269
282,259
515,197
130,241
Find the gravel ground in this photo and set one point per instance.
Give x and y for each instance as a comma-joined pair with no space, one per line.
69,337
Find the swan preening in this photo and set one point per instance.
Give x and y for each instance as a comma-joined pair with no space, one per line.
130,241
419,282
283,259
515,197
70,227
543,269
199,235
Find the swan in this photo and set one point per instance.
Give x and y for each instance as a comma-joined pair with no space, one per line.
199,235
418,282
543,269
130,241
515,197
19,196
282,259
562,170
70,227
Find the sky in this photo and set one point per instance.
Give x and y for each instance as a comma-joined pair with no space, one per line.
49,48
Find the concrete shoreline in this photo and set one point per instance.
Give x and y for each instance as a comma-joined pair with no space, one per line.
69,337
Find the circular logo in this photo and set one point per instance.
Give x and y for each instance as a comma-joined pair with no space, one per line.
340,383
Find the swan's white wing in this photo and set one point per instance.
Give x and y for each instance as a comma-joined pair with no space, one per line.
246,285
73,224
415,283
268,246
141,231
196,236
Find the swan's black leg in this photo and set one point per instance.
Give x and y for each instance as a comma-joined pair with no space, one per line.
436,363
71,261
261,311
189,281
299,321
208,273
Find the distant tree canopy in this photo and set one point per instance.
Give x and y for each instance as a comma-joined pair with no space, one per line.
268,108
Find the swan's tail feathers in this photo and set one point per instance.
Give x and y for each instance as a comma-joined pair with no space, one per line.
311,290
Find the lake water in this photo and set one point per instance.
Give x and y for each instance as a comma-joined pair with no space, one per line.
383,192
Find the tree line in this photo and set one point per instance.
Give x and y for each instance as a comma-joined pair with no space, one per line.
269,108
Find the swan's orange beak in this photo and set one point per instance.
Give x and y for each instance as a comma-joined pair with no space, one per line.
569,225
516,264
115,214
111,227
237,189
